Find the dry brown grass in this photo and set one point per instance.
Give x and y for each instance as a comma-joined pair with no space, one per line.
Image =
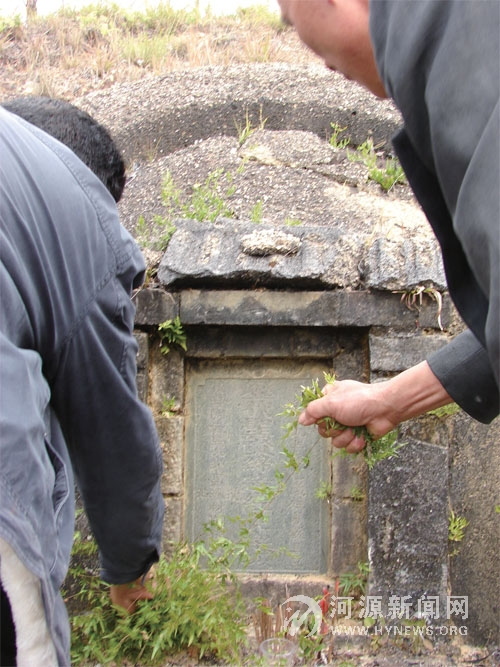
69,54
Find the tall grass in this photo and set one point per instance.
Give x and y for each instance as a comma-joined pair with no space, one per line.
101,44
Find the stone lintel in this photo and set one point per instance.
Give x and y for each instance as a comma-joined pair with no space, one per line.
304,308
154,306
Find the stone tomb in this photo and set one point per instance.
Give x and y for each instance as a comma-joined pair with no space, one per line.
267,307
248,354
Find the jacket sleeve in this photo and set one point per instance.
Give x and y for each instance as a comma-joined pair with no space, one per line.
68,269
464,370
467,366
110,433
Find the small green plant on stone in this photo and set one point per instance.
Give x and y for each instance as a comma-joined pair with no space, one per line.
256,213
456,527
167,407
391,174
386,177
172,333
335,142
158,236
324,490
375,450
247,129
293,222
205,203
356,494
353,584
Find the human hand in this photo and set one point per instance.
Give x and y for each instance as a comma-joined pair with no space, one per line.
127,595
351,404
380,407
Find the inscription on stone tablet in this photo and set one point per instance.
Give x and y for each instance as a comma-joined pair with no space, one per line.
234,443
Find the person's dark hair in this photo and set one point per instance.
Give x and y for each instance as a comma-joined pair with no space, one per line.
79,131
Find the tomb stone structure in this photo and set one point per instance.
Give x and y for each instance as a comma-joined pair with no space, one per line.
309,267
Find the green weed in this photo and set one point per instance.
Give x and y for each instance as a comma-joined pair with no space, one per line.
337,143
445,411
193,608
356,494
156,237
387,175
256,213
324,490
172,333
353,584
246,129
207,201
167,407
456,527
375,450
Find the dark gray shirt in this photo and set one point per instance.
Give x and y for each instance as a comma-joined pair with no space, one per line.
440,62
68,399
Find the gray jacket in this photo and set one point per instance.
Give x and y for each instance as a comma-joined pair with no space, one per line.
68,401
440,62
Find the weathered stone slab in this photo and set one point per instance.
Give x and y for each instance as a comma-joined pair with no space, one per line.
154,306
162,114
172,526
240,253
170,431
348,535
219,253
234,443
474,495
166,379
307,308
408,525
391,353
417,259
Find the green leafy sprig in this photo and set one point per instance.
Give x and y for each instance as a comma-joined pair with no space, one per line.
375,450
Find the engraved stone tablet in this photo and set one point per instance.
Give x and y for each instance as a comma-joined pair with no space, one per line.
234,440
